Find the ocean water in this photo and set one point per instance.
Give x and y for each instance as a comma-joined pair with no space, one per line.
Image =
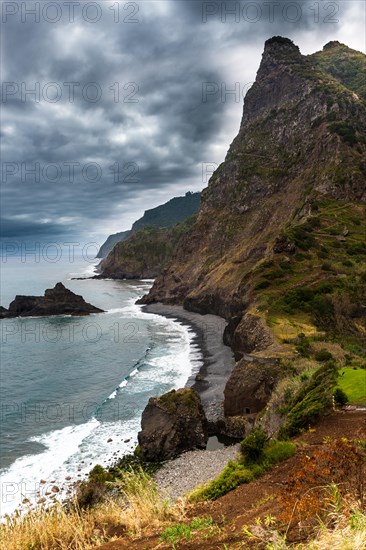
73,388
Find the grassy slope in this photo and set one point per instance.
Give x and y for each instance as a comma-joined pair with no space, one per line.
353,383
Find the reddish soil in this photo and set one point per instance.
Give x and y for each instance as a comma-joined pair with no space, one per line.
242,506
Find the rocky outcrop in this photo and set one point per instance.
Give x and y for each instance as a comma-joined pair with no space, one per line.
249,387
171,424
56,301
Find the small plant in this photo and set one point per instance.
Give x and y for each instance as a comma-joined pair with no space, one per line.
185,530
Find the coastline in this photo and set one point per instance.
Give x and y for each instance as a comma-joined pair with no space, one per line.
218,359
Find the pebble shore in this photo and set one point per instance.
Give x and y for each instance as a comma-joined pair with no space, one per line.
181,475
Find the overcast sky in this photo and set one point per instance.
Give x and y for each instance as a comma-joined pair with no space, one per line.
120,118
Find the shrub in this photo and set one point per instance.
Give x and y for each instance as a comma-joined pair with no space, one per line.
253,445
340,396
238,472
276,451
233,475
311,402
323,355
94,489
262,284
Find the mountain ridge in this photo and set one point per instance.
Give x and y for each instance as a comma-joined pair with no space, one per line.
168,214
299,155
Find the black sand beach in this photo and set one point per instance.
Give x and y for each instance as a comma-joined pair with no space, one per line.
218,359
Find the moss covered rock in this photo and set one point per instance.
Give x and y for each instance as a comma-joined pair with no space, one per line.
172,424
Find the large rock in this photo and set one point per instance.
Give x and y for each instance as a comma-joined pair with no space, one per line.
56,301
249,387
171,424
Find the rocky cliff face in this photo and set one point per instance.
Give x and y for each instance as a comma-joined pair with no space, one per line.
56,301
292,185
249,387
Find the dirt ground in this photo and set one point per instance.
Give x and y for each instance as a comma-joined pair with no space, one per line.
242,506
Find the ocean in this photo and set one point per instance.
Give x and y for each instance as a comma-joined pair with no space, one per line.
73,388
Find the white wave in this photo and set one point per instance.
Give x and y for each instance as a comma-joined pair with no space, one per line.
23,478
72,451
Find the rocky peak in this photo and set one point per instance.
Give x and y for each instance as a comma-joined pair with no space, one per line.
334,44
276,83
278,51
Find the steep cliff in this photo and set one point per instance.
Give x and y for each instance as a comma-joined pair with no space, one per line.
287,207
169,214
144,254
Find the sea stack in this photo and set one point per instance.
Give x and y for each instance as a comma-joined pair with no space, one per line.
56,301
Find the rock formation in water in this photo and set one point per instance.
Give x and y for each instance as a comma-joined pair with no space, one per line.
56,301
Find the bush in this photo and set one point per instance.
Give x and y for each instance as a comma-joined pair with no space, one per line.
311,402
233,475
323,355
262,284
340,397
253,445
276,451
94,489
239,472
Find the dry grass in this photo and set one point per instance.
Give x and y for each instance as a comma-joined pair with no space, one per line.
349,534
139,507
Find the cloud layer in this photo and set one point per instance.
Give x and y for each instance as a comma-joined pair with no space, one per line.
109,108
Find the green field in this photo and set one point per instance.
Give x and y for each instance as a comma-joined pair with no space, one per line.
354,384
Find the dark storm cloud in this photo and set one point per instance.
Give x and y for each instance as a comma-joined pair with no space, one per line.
82,158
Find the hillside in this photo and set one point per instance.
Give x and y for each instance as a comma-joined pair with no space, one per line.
144,254
166,215
278,244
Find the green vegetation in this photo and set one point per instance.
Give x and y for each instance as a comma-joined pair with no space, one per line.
322,281
353,383
185,397
185,531
171,213
346,65
101,481
259,455
145,252
312,401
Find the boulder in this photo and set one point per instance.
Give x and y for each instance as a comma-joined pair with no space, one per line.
171,424
56,301
249,387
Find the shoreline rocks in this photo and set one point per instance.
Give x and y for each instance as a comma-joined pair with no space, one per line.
172,424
